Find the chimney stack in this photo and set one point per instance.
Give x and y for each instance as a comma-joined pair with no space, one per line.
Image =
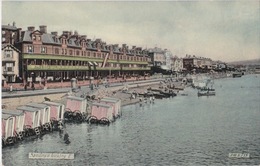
43,29
31,28
54,33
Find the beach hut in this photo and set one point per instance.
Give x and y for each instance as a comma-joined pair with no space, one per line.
101,113
56,110
115,103
56,114
74,103
31,120
76,109
8,128
19,121
45,114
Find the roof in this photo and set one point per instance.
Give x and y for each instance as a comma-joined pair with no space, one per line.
10,45
37,105
26,108
12,112
6,116
9,27
75,98
72,42
111,98
52,103
101,105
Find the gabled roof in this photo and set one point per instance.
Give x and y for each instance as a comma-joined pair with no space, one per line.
9,27
10,45
72,42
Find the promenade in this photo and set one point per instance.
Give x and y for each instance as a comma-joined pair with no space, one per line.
11,100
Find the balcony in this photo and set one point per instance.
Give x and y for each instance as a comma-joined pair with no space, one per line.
136,68
8,72
79,58
55,67
8,59
71,68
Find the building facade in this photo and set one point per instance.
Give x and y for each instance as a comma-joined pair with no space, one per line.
198,63
177,64
161,60
56,57
10,63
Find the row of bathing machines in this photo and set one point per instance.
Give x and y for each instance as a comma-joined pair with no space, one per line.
35,119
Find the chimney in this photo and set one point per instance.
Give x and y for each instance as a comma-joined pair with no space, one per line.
67,33
54,33
31,28
133,47
124,45
84,37
98,40
43,29
13,24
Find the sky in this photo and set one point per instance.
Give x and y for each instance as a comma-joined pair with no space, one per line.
220,30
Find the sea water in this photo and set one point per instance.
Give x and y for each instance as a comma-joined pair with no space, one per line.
184,130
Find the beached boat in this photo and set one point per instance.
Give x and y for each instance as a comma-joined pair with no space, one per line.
31,120
206,92
8,129
237,74
56,114
181,87
101,113
115,103
19,121
76,109
45,115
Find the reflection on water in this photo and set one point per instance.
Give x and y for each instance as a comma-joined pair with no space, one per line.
185,130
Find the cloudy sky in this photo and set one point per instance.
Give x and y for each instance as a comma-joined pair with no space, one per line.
227,31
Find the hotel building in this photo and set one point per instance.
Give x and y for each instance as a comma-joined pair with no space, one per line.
70,55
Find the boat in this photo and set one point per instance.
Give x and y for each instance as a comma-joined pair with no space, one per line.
237,74
206,92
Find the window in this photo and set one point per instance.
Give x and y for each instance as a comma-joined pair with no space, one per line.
8,53
44,50
77,52
39,38
3,32
70,52
56,51
30,49
9,67
34,37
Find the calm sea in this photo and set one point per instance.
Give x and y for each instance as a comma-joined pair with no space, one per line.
184,130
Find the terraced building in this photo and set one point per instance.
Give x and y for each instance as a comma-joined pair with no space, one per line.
70,55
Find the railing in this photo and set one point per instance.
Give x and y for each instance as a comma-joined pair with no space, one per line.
59,67
8,72
8,59
78,58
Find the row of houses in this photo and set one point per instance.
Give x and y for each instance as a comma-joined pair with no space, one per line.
35,55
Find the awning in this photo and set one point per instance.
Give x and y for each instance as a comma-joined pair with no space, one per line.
95,63
91,64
